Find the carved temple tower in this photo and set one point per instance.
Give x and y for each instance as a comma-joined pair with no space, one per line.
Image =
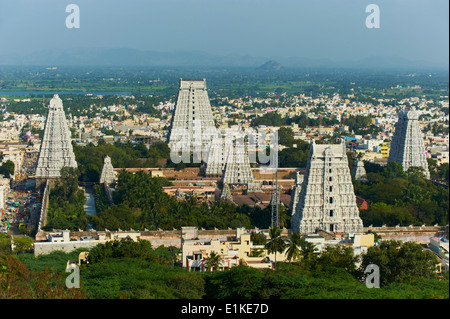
192,124
56,149
407,147
108,175
327,200
359,172
237,168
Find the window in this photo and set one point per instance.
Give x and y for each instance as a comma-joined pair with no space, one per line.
331,188
331,212
331,200
329,170
330,179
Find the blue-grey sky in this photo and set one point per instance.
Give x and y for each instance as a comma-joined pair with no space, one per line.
331,29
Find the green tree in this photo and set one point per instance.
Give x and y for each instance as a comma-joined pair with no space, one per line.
7,169
22,244
293,251
212,262
5,244
257,238
400,262
276,244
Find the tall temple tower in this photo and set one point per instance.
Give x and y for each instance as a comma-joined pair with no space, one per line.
359,172
108,175
327,200
296,191
56,149
217,156
237,167
192,123
407,147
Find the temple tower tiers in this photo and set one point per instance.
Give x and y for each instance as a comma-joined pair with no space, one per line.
108,175
56,149
296,191
217,156
359,172
237,167
407,147
192,123
327,200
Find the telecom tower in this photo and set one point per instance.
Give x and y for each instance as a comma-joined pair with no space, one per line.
275,196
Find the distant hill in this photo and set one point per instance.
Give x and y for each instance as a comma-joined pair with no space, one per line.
128,57
134,57
270,66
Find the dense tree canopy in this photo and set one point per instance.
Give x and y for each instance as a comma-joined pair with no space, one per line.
401,198
140,202
66,203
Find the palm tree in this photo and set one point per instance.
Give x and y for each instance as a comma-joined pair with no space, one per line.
276,242
293,251
308,250
213,261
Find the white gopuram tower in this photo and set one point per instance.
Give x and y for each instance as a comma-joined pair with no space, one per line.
359,172
327,200
296,191
56,149
217,156
108,175
407,147
192,125
237,167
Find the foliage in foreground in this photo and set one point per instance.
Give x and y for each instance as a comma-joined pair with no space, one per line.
126,269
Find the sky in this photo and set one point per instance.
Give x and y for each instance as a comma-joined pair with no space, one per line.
319,29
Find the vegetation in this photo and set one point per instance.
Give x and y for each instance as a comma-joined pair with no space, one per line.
90,157
19,282
66,203
361,125
7,169
127,269
400,262
396,197
140,202
276,244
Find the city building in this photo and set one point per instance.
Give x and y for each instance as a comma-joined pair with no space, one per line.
4,190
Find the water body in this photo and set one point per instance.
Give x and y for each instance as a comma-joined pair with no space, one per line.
89,206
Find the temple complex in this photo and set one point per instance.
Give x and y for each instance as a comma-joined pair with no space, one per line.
326,200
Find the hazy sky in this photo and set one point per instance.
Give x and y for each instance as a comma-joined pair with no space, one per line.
333,29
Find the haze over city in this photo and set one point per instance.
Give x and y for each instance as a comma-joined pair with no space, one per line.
334,33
